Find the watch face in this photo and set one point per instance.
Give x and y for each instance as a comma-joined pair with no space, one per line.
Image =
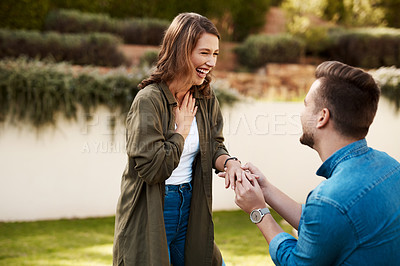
255,216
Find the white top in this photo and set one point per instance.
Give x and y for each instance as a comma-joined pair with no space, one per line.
183,173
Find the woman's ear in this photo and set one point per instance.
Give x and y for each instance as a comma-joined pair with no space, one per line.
323,118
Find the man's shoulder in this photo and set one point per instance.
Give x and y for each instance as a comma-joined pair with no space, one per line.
353,179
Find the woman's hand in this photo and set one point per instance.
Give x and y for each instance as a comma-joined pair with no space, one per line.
184,115
261,179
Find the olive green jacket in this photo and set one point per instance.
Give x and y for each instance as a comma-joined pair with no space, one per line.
154,150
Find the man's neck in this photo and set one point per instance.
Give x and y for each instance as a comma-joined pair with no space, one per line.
334,143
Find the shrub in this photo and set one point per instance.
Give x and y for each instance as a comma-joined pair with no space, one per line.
366,47
73,21
135,30
96,48
248,16
258,50
34,91
23,14
388,79
149,58
143,31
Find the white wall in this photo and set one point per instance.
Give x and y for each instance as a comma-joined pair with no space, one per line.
74,169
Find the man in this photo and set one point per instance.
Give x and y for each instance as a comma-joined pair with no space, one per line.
353,217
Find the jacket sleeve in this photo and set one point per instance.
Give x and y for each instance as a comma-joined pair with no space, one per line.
217,125
155,153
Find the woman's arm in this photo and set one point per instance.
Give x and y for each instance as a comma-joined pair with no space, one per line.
155,156
233,170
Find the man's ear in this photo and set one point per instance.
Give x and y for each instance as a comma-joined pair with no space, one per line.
323,118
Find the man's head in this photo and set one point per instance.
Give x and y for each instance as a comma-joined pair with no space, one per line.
348,95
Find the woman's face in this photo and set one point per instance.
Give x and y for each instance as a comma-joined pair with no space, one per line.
204,57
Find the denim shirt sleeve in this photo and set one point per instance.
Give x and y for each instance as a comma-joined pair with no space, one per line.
323,230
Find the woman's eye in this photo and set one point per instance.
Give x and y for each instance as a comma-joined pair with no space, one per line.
216,54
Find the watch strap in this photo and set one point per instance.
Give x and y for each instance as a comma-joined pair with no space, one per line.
262,213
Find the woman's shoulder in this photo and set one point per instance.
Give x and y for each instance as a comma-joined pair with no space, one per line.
151,92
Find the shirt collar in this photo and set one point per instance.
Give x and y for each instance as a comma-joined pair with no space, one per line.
354,149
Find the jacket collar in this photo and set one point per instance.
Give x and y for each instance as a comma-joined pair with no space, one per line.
168,94
170,97
352,150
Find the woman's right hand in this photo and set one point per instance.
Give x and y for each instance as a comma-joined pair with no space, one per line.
184,115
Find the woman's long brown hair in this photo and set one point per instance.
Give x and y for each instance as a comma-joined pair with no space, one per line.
178,43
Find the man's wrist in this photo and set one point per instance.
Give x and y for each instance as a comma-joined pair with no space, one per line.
258,214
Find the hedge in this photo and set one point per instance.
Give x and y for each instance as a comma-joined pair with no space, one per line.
85,49
258,50
134,30
34,92
366,47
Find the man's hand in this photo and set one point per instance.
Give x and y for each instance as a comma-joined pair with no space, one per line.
262,180
249,195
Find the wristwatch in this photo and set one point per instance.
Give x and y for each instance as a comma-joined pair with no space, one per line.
257,215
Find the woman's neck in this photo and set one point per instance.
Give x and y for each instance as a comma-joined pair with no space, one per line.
178,89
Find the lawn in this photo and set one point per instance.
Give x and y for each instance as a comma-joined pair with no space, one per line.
89,241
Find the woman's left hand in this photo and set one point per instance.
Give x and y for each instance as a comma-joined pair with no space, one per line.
233,172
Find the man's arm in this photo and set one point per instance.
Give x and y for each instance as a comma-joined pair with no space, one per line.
289,209
324,230
249,197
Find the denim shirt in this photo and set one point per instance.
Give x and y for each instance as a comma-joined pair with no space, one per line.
352,217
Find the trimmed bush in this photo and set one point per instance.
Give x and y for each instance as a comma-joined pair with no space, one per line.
258,50
149,58
73,21
86,49
366,47
134,31
34,91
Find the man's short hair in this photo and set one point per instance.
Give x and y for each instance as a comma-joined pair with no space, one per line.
351,96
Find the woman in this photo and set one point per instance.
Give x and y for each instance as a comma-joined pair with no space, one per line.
174,139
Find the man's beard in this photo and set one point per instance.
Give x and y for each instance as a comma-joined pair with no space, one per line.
307,139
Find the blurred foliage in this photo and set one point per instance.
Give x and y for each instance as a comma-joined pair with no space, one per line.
23,14
366,47
237,18
149,58
84,49
388,79
392,11
316,21
34,91
355,13
134,30
344,12
247,17
258,50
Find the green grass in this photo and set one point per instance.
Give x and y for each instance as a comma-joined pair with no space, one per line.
89,241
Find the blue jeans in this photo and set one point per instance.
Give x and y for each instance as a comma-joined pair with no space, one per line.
176,216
